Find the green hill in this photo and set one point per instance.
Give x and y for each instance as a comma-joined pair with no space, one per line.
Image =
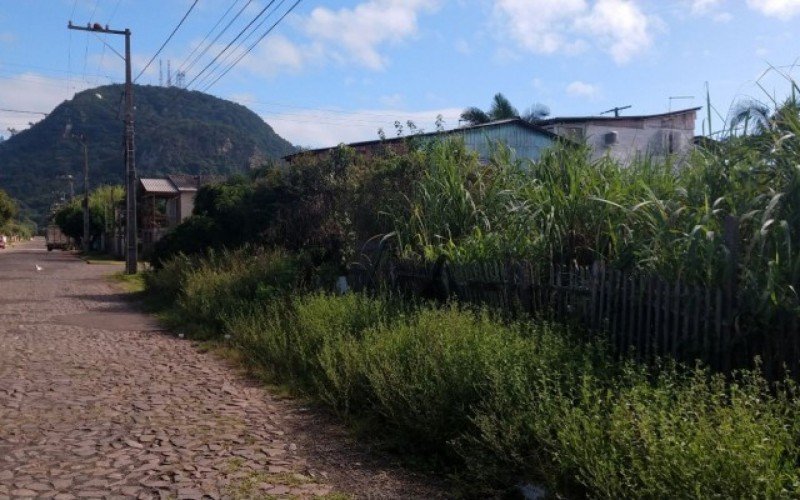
177,131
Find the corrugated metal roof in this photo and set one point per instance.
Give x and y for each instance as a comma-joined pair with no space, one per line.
519,122
187,182
158,186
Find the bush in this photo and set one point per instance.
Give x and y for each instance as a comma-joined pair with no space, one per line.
511,401
204,292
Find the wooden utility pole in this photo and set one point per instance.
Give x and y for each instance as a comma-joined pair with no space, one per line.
85,194
130,157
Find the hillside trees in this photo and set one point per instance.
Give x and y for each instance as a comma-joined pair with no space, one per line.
8,208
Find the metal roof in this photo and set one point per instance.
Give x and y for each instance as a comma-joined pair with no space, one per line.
533,127
158,186
188,182
577,119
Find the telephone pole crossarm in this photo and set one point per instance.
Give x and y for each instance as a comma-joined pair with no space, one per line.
97,28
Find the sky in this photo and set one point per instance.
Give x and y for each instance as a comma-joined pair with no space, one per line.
337,71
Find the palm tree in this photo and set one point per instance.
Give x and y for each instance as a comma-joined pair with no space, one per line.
502,109
752,116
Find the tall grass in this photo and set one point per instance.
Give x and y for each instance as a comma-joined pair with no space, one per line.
653,217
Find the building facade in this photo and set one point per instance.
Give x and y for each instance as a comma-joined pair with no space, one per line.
525,140
628,138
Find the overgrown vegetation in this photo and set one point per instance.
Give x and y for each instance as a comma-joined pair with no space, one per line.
496,400
11,223
104,203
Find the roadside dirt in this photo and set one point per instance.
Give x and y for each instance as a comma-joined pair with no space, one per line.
97,401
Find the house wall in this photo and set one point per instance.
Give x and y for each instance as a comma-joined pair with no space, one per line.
657,137
525,143
172,211
186,205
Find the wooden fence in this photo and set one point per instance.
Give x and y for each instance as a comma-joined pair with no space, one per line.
641,314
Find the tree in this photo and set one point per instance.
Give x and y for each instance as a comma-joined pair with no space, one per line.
502,109
102,202
751,117
8,208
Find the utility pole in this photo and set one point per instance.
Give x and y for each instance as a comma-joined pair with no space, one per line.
85,241
130,158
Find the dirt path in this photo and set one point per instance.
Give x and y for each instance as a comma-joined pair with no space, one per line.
96,402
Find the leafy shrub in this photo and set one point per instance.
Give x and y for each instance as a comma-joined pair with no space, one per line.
206,291
532,401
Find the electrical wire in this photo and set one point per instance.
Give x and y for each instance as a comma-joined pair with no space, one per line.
211,44
180,68
166,41
254,44
231,42
233,53
23,112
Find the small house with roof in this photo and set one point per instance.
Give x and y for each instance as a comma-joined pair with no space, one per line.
165,202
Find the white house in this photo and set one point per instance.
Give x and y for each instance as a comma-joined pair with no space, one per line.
626,138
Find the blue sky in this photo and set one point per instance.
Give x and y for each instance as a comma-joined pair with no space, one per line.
337,71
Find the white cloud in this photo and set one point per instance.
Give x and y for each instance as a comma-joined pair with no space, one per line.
711,8
322,128
357,35
618,27
582,89
544,27
33,92
781,9
701,7
277,54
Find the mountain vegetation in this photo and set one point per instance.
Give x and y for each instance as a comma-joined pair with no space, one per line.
177,131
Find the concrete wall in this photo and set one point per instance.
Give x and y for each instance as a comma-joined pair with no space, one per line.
186,205
656,137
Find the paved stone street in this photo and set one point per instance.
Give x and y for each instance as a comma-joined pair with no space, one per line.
96,402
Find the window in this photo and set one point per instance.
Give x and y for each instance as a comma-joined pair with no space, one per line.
573,133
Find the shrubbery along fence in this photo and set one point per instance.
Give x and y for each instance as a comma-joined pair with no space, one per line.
644,315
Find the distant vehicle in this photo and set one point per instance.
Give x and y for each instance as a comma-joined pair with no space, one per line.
56,239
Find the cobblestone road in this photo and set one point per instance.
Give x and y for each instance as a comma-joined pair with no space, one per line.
96,402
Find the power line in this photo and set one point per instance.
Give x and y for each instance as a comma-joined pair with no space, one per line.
254,44
231,43
167,40
103,53
23,111
232,53
180,68
211,44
